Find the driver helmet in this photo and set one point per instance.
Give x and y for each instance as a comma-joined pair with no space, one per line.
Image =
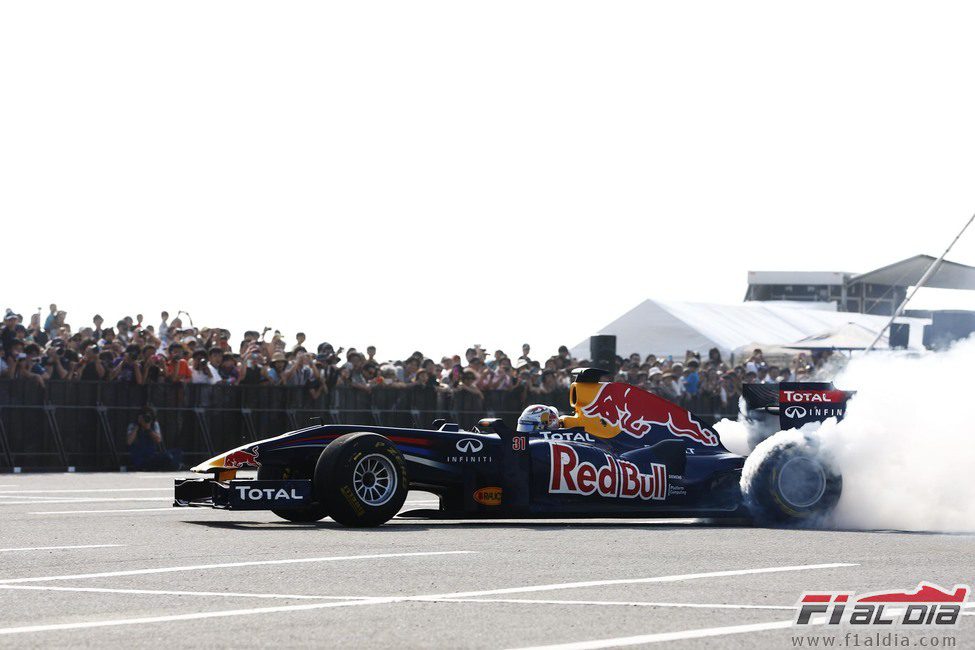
538,417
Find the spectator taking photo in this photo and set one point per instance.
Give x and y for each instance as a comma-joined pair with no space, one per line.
145,444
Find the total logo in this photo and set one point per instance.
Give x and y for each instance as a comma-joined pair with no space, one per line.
469,449
812,396
573,436
257,494
616,478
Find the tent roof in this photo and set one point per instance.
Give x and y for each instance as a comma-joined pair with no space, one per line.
851,336
907,273
666,327
774,354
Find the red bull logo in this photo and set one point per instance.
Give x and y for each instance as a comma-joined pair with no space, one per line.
240,458
617,478
634,411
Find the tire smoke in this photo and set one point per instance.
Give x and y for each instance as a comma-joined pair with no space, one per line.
734,436
906,448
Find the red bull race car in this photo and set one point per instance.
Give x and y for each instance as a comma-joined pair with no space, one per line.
622,452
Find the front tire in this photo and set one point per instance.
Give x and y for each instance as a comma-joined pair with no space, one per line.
306,514
790,484
361,479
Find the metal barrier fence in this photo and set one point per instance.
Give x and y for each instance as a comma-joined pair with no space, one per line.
83,424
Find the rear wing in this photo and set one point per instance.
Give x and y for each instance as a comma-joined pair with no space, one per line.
797,403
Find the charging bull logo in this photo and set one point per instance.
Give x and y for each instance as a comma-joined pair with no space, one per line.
617,478
241,458
631,410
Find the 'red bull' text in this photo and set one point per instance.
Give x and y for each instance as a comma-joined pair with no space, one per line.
615,479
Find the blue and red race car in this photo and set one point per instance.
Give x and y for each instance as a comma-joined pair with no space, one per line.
623,452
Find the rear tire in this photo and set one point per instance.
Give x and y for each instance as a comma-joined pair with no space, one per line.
791,484
306,514
361,479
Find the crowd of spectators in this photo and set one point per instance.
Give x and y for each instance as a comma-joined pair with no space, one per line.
713,385
47,349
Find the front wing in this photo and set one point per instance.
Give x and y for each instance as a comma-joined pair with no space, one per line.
243,494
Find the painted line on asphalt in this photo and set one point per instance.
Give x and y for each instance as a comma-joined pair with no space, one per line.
159,489
104,512
635,581
66,498
616,603
190,617
356,603
55,548
161,592
525,601
227,565
661,637
39,498
80,500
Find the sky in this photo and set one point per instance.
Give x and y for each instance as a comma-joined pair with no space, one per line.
430,175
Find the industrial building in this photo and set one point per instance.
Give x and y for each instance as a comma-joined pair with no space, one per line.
877,292
801,309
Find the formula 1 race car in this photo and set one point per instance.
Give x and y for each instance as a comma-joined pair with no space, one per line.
623,452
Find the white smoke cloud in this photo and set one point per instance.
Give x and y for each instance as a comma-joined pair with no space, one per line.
734,436
906,448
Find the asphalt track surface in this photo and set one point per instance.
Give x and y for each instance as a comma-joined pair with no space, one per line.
102,560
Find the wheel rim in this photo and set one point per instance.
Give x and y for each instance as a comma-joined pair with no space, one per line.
801,482
374,479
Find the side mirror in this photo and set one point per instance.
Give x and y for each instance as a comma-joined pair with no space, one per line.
496,425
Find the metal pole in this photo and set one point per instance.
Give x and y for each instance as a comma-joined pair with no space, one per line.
924,278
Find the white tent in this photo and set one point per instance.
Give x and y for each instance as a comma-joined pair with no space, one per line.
665,327
851,336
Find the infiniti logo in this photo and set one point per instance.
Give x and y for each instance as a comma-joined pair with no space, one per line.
470,445
795,412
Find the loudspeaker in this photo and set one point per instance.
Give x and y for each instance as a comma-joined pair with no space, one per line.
602,352
899,335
